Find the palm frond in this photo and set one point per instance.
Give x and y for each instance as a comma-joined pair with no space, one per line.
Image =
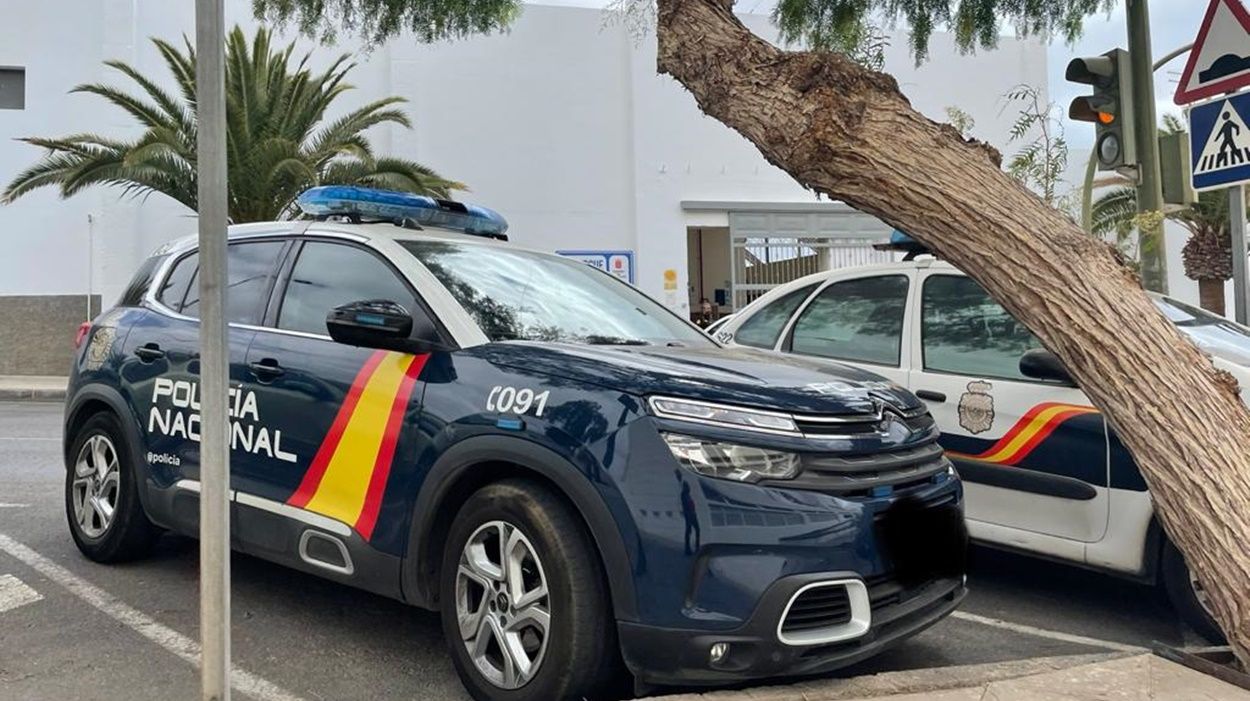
278,141
1114,211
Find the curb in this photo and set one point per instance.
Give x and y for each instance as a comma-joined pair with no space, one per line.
32,394
916,681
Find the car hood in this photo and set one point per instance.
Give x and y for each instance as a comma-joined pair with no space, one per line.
741,376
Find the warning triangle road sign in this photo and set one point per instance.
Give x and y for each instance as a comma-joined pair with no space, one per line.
1220,60
1228,146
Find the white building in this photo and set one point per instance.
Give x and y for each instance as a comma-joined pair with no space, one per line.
562,125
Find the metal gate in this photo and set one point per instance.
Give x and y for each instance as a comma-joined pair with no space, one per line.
770,249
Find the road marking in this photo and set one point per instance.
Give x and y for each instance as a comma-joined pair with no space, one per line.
3,505
141,623
1044,633
15,593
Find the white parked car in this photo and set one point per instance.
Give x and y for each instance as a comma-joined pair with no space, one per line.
1043,471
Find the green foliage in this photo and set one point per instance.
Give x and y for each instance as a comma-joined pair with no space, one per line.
1041,162
961,120
975,23
277,143
847,26
1207,256
848,30
378,20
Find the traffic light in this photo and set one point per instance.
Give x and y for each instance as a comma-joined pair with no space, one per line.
1110,108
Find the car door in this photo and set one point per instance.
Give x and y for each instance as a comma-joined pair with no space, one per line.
161,373
327,420
1032,454
857,320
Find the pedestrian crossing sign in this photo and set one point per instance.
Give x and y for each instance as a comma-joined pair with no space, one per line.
1219,134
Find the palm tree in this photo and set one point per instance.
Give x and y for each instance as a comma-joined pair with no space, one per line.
1207,255
277,143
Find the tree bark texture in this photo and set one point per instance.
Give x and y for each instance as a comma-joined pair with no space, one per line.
848,133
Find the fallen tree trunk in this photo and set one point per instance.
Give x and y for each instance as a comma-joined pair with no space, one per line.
847,132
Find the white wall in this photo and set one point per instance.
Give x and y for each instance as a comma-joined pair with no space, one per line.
562,124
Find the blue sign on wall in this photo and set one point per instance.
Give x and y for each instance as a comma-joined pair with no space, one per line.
619,263
1219,142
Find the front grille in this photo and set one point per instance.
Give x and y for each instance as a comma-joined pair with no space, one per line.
817,608
859,475
856,426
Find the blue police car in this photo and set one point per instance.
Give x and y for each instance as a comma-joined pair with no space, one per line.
573,476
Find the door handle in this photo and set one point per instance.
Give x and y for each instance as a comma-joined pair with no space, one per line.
931,396
149,352
266,369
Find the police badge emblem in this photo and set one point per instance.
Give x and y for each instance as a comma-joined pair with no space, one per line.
99,348
976,407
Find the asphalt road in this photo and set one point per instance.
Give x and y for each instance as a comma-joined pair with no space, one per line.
71,629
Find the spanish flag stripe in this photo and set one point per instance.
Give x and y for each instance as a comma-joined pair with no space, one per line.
1028,432
1040,435
1020,425
1036,425
386,453
312,478
341,492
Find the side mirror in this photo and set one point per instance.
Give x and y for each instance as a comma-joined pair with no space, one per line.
380,323
1041,364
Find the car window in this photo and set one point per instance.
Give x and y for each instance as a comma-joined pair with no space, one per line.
249,275
327,275
860,320
174,290
965,332
765,325
140,282
514,294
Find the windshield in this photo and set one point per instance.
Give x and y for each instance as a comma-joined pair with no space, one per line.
1213,334
520,295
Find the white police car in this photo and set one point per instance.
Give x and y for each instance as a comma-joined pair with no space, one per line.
1044,473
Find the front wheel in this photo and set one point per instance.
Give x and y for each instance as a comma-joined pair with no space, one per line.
524,604
1187,596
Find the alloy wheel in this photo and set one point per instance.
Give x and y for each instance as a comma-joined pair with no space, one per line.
502,604
96,485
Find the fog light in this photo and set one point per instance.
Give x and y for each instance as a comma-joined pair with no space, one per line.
718,652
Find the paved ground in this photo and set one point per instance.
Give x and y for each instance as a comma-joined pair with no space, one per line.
73,629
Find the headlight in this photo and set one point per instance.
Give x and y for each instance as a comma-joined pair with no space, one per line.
719,415
730,461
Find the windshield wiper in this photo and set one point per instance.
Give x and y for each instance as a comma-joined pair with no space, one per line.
595,340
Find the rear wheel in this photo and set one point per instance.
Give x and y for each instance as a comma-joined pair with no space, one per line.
1187,596
102,505
524,604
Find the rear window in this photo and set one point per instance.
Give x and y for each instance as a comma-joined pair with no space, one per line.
140,283
763,329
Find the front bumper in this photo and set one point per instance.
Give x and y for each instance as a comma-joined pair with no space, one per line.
669,656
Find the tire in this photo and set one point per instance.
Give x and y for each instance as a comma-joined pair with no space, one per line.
575,657
1185,597
101,465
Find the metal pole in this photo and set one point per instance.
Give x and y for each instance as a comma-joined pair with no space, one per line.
1149,180
1237,220
210,32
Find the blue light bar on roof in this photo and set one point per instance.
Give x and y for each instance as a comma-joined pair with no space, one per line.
389,205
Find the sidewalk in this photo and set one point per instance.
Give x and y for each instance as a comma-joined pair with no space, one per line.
1111,677
32,387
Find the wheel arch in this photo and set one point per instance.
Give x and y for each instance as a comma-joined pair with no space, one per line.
90,400
475,462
